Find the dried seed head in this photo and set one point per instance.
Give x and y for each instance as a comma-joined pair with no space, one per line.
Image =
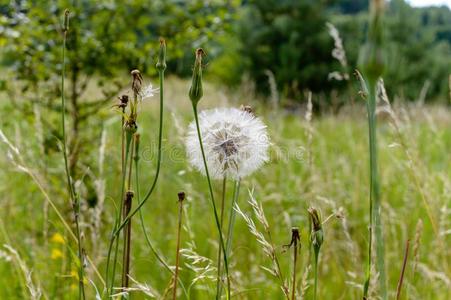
66,21
295,233
181,196
196,90
123,101
137,81
161,64
295,238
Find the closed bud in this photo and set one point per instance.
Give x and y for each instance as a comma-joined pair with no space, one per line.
371,58
196,91
161,63
317,234
66,21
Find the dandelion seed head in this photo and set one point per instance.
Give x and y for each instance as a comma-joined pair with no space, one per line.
235,143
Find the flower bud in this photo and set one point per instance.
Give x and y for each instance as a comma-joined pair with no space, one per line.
66,21
371,58
161,63
196,91
316,235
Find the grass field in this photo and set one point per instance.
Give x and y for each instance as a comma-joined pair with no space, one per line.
330,173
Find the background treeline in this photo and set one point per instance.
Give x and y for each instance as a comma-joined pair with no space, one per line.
285,42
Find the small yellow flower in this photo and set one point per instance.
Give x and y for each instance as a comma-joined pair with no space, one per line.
58,239
74,274
56,254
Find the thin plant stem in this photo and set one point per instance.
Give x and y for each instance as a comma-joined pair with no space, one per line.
315,275
295,239
232,217
295,259
177,253
401,277
218,280
114,236
218,225
74,199
127,231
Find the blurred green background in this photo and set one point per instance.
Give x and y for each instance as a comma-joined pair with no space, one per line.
282,40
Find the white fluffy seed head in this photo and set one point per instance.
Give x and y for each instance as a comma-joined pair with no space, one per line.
235,143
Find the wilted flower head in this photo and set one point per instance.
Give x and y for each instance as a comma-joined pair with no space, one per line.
137,81
235,143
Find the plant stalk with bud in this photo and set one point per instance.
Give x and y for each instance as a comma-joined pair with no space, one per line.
316,240
195,94
73,196
372,65
296,244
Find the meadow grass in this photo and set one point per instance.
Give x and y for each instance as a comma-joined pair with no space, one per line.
336,183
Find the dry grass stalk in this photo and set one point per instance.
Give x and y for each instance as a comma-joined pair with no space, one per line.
33,288
266,242
338,53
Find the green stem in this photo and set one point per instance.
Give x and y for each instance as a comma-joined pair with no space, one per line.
219,275
232,217
375,205
177,254
315,275
218,225
75,202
